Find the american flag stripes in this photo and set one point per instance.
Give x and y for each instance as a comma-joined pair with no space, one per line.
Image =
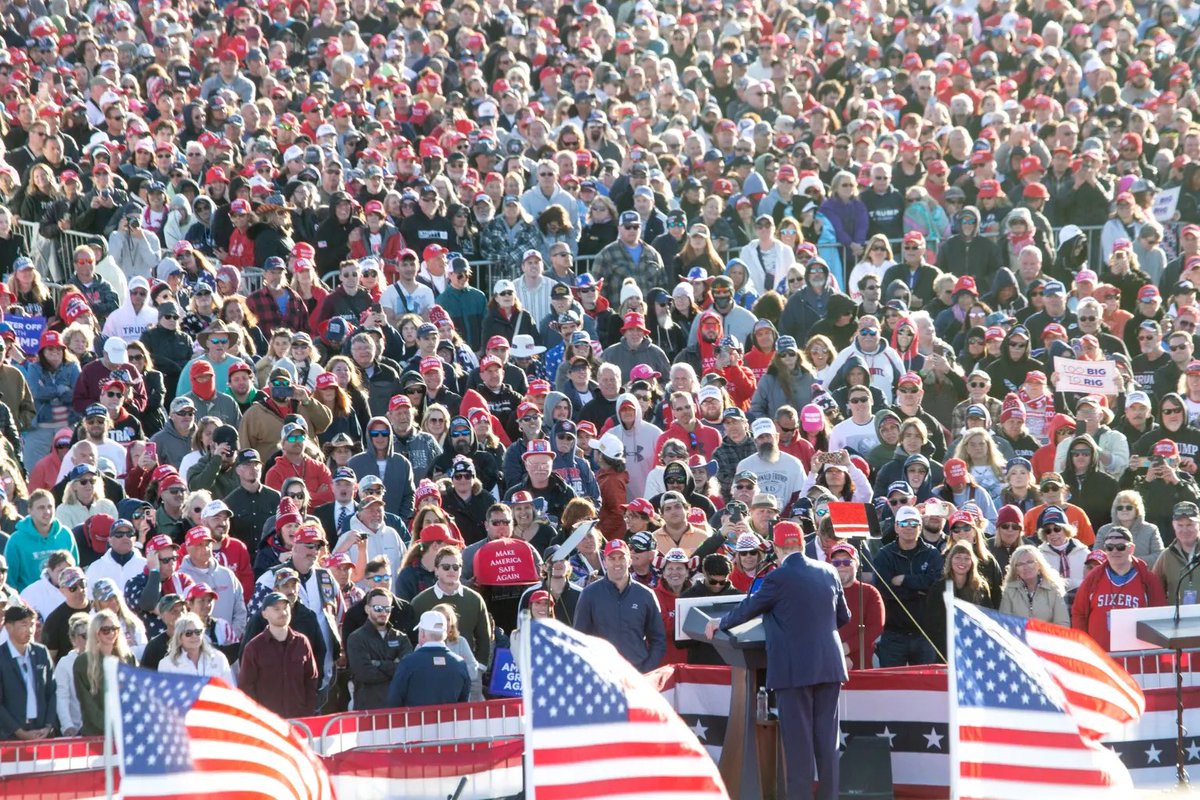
850,520
1028,704
187,737
596,728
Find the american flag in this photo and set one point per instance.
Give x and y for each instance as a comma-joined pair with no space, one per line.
597,728
187,737
1030,700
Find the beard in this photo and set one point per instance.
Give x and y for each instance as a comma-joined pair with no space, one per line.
462,446
768,451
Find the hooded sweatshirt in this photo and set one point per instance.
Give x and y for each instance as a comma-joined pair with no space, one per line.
839,387
128,323
1008,374
575,471
639,441
700,354
394,470
28,550
883,364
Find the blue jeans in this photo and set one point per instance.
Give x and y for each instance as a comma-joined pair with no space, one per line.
896,649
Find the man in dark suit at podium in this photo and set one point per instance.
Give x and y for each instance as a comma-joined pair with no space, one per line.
802,607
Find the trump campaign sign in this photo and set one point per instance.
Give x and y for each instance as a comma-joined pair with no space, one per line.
1086,377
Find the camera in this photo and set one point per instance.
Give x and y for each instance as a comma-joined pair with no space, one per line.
134,222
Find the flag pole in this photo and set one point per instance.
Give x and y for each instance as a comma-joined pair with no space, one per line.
524,637
952,692
112,719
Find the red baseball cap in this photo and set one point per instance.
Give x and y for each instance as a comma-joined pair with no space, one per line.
788,534
956,473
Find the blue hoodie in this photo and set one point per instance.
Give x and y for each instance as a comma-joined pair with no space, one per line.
28,550
575,471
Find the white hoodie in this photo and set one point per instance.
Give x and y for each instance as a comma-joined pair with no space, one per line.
127,323
640,456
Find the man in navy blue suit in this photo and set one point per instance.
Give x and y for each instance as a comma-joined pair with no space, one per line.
802,607
28,709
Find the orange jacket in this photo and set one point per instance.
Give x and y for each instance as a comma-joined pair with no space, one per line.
1075,515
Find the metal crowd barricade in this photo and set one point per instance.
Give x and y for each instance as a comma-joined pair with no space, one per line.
302,728
52,755
53,256
252,280
1155,669
491,720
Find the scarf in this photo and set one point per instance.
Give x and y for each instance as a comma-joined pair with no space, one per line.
1064,566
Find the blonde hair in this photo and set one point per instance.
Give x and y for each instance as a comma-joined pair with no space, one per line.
175,646
95,663
1045,571
448,611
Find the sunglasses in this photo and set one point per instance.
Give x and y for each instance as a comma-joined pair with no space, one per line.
857,400
1116,548
377,578
1125,507
167,559
191,634
842,562
293,495
450,567
1009,526
1053,529
109,629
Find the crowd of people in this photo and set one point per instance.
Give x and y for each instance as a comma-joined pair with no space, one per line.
360,301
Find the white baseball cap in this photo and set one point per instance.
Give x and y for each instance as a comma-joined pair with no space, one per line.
609,445
432,621
214,508
762,425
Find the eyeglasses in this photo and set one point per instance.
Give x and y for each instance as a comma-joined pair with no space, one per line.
450,567
191,633
745,487
1053,529
1116,548
109,629
1171,411
1125,507
842,562
86,481
380,609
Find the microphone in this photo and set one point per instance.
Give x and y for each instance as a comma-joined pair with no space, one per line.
1193,565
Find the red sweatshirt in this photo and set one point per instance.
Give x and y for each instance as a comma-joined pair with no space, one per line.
871,605
315,475
1099,594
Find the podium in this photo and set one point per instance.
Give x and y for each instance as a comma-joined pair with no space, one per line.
744,649
1177,635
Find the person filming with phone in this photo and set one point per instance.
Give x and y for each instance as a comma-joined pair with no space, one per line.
262,424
